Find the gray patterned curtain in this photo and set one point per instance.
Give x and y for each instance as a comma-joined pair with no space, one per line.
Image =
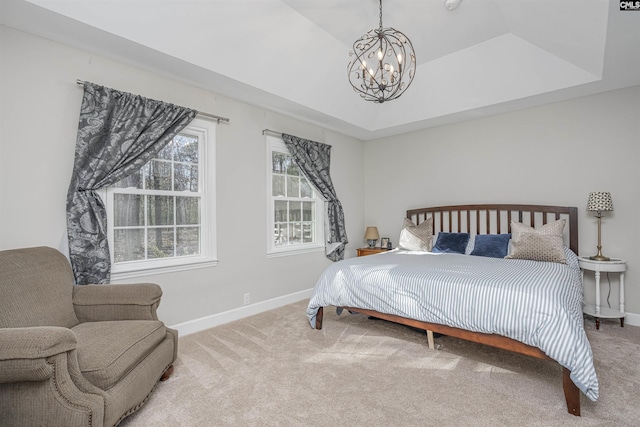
313,158
118,133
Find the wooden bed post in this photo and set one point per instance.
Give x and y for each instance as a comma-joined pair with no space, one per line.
319,316
571,393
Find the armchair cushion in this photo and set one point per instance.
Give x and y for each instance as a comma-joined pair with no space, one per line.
109,350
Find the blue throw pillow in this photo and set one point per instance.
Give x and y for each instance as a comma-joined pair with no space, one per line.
455,243
491,245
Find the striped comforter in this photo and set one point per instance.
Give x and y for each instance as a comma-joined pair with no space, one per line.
537,303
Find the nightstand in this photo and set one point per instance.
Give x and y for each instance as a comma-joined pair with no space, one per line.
612,266
370,251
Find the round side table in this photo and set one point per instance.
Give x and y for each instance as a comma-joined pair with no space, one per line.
611,266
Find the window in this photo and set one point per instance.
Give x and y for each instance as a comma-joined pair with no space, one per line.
295,209
162,217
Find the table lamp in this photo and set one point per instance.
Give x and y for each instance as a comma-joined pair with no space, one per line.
599,201
372,236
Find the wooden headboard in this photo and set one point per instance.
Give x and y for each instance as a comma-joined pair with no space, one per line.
496,218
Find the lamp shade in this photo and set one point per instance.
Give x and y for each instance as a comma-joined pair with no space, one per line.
371,233
599,201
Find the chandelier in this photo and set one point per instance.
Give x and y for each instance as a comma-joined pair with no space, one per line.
383,64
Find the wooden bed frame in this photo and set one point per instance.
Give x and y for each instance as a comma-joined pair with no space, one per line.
487,219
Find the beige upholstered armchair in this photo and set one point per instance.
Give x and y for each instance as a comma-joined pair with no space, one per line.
75,355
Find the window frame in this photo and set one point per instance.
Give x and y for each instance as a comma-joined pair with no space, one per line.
205,130
277,144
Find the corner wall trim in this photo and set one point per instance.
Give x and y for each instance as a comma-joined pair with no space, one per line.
197,325
631,319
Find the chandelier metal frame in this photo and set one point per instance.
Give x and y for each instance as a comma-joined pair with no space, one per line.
379,70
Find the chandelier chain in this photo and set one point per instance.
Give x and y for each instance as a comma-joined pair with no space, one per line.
380,14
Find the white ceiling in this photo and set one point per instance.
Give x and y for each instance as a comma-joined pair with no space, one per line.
485,57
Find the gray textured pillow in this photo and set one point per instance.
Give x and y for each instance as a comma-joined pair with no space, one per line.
541,244
416,237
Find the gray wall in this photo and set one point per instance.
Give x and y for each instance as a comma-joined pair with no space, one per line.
554,154
40,104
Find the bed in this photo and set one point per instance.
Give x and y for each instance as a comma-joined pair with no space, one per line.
529,307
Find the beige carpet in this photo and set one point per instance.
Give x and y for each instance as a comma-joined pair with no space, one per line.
272,369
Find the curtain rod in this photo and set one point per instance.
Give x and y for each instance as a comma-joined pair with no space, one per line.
271,132
274,133
200,113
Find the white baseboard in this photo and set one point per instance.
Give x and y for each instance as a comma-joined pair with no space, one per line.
632,319
197,325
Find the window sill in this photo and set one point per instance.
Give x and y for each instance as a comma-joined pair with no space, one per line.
275,253
132,270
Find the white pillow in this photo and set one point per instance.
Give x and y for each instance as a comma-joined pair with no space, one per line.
416,237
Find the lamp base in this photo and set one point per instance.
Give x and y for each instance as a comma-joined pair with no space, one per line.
371,243
600,257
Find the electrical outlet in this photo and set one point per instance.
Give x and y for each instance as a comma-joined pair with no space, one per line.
247,298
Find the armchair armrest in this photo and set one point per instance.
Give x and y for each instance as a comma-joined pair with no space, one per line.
24,351
40,380
94,303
